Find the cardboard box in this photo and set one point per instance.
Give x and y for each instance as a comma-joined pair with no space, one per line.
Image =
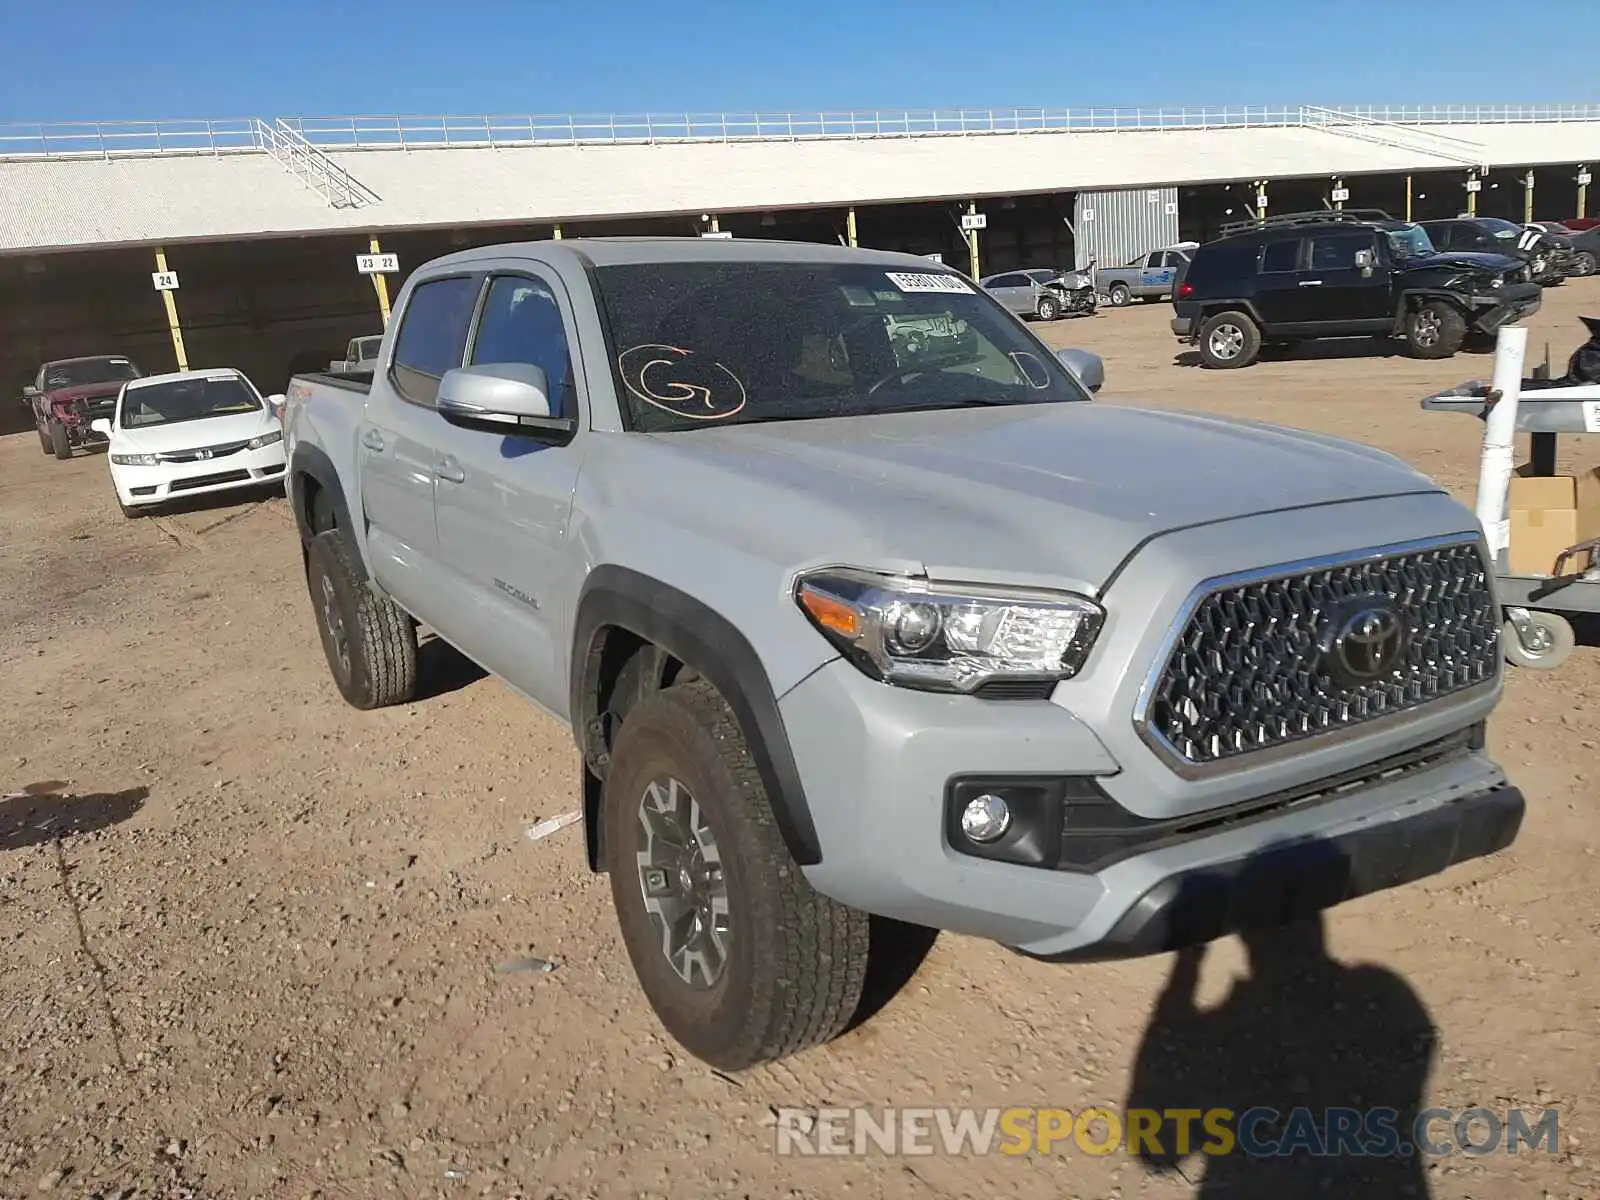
1547,515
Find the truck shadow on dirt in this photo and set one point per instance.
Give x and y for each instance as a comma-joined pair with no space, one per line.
42,812
442,669
1301,1035
1332,349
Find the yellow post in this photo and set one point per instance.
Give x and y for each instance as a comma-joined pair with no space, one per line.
1472,194
1408,197
1337,184
381,286
715,227
850,226
972,238
1261,199
557,234
1583,191
172,314
1527,197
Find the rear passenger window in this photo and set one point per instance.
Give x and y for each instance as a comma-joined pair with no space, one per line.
1281,256
521,323
433,336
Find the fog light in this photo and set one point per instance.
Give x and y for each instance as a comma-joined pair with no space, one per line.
985,818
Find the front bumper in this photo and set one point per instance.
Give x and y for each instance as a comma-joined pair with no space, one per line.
877,762
1511,303
176,481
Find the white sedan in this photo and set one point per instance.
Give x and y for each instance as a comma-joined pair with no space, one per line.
189,434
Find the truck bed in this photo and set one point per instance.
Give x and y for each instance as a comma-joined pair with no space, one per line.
352,381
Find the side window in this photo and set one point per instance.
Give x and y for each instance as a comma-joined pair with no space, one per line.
521,323
433,336
1281,256
1008,281
1153,261
1337,252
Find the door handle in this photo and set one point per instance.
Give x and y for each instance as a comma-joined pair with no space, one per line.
449,470
1311,283
372,439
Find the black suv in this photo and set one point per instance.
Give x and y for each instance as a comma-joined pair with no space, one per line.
1549,257
1300,276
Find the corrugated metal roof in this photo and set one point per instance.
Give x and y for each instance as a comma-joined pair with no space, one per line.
50,204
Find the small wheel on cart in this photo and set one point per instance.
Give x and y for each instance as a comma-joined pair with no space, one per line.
1542,642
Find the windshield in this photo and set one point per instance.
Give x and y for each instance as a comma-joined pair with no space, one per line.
697,344
1410,242
1504,230
1042,275
88,371
186,400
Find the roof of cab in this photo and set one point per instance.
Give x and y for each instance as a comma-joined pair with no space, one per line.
608,252
175,376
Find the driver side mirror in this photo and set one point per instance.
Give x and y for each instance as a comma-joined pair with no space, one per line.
509,398
1364,260
29,391
275,403
1089,369
102,426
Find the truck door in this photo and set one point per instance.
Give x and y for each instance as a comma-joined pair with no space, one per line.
1280,300
1345,294
1155,278
502,502
395,441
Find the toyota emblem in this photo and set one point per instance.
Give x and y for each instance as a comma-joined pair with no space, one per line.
1365,642
202,454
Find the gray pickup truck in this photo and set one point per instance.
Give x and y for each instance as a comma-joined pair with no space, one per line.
848,630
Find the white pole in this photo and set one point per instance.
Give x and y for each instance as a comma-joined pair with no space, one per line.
1500,437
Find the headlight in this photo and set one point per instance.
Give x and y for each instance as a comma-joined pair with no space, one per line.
944,639
135,460
266,439
1497,282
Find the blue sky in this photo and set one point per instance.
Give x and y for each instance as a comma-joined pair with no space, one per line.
85,59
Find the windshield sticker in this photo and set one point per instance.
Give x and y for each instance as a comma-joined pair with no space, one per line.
910,281
679,382
859,297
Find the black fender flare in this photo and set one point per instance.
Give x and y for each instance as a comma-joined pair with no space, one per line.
1212,308
312,462
708,643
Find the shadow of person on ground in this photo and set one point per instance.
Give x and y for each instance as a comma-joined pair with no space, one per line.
1301,1035
43,812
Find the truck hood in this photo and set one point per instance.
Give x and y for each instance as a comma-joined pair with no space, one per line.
87,391
1465,260
1035,492
191,435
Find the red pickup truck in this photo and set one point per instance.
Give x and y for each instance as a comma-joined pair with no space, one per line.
67,395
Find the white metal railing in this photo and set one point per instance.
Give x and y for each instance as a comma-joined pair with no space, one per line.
312,167
1420,138
105,139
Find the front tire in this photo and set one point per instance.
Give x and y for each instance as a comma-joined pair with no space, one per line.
1435,329
370,642
1119,295
1229,340
1049,310
741,959
60,443
44,439
1585,264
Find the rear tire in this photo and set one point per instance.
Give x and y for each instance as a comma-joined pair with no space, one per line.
370,642
1119,295
1229,340
741,959
1435,329
60,443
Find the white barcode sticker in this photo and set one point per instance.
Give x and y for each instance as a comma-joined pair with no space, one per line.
1591,416
911,281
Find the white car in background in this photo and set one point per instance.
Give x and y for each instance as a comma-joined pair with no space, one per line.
191,433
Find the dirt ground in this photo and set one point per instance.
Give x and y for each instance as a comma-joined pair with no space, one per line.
249,937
